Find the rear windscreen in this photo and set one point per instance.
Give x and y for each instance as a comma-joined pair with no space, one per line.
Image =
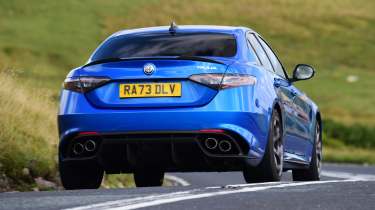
183,44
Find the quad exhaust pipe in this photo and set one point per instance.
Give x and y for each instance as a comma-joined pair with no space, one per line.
78,148
225,146
222,145
211,143
88,146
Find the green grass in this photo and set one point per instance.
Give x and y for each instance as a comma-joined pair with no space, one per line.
41,41
27,132
349,155
340,100
337,152
118,181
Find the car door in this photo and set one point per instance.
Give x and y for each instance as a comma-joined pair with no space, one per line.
294,141
303,115
283,89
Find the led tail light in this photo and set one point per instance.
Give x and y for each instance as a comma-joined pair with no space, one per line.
222,81
84,84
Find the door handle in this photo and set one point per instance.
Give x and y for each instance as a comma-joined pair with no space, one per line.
294,93
277,83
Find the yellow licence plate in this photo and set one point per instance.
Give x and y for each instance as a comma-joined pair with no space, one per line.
143,90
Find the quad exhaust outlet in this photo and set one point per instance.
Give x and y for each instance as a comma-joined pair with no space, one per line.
225,146
90,145
221,145
78,148
211,143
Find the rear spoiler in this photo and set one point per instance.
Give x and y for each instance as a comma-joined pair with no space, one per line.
192,58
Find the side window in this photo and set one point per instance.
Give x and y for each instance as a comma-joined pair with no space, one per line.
251,53
274,60
260,52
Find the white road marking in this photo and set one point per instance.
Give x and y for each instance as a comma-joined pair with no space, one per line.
177,180
108,204
154,200
333,174
233,186
345,175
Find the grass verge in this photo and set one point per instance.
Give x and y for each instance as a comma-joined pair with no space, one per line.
28,133
349,154
118,181
336,151
28,139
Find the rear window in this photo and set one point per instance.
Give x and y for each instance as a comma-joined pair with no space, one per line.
183,44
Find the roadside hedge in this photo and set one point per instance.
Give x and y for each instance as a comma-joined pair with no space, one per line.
355,135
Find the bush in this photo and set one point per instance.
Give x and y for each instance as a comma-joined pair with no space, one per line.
355,135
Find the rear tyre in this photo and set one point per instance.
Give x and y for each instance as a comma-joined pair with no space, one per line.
144,178
80,176
313,172
271,167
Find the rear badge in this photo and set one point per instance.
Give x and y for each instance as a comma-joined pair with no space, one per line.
207,67
149,68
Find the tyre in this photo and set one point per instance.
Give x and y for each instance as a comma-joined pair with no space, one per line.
271,167
144,178
80,176
312,173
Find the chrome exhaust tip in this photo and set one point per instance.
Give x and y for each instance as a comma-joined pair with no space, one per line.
78,148
225,146
90,145
211,143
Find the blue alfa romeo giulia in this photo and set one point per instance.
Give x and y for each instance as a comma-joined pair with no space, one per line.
184,99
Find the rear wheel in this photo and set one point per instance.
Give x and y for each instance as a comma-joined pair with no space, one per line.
271,167
313,172
148,178
80,176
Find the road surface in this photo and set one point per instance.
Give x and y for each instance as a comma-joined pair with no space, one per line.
341,187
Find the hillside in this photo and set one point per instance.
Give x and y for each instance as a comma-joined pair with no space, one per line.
41,41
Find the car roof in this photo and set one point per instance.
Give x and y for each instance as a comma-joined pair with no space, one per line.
186,29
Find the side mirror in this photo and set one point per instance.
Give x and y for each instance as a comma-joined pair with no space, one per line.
303,72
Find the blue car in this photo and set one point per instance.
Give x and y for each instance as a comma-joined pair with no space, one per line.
186,99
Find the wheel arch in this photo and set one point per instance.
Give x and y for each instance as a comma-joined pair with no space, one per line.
320,122
278,108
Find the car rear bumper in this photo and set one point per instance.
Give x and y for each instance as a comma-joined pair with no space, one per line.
242,122
170,151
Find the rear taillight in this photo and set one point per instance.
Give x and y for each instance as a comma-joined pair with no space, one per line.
235,80
84,84
222,81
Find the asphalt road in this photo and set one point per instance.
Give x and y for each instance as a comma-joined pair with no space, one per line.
341,187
